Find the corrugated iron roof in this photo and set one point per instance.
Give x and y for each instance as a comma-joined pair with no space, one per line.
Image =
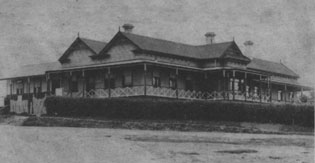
33,70
163,46
93,45
269,66
96,46
207,51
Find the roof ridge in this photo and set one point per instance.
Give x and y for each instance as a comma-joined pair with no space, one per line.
186,44
214,44
84,38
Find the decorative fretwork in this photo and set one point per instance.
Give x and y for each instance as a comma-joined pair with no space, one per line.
238,95
190,94
162,92
127,91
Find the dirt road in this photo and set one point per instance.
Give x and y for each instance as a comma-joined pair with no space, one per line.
80,145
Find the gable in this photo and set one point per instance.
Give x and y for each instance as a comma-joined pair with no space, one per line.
233,52
79,56
82,43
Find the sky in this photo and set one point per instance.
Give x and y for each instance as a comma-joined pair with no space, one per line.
37,31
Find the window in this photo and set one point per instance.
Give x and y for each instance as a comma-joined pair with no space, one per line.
19,91
127,78
189,83
111,82
37,89
90,85
291,96
156,80
74,84
241,85
247,90
173,81
279,95
255,91
19,88
231,84
236,85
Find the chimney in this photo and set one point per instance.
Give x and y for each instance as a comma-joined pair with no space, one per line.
128,28
249,49
210,37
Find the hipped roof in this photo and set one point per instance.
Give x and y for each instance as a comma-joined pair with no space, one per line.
208,51
269,66
33,70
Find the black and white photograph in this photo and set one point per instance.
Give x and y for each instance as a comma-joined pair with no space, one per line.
157,81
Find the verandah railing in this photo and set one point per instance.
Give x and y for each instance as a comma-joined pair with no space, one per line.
170,93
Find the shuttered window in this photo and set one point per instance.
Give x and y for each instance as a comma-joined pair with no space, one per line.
74,84
279,95
156,79
127,78
189,82
111,81
173,81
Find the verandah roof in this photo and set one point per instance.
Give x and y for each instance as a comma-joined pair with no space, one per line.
33,70
269,66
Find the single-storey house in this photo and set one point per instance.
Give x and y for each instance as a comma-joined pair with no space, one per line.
135,65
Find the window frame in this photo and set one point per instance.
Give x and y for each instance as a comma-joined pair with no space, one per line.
124,84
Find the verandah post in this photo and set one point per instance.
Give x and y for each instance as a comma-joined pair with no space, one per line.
108,78
29,94
11,85
270,89
83,83
176,75
233,85
47,85
224,84
285,93
145,78
245,86
70,83
260,88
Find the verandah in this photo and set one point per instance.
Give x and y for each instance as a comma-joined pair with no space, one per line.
171,82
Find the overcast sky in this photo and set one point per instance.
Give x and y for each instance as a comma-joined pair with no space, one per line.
34,31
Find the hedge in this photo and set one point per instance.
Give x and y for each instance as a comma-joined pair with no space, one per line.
159,109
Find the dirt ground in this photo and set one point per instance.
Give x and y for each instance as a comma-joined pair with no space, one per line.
79,145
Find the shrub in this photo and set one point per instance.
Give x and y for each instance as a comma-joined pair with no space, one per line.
159,109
